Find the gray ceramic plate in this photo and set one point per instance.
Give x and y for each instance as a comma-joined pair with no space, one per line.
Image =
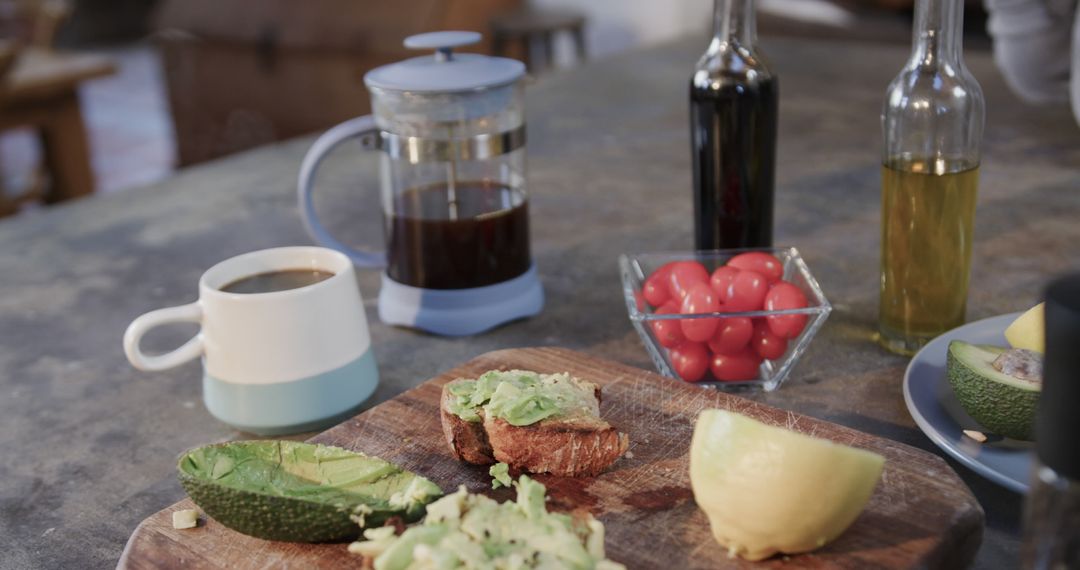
934,408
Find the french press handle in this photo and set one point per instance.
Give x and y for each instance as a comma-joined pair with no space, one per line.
362,128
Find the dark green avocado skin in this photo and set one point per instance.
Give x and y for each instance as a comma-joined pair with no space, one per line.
285,518
1000,408
281,518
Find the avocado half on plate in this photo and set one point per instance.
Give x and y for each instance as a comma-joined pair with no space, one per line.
300,492
996,386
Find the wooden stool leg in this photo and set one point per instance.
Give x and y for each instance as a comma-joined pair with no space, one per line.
579,42
526,52
548,39
67,156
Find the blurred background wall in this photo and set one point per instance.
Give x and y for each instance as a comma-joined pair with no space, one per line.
194,80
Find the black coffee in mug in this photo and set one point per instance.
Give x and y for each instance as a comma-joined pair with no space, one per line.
277,281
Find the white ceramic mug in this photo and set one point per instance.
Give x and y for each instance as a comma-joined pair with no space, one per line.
277,362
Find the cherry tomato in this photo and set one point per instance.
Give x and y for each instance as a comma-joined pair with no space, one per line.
721,280
761,262
765,343
732,335
742,365
668,332
684,275
699,299
690,361
782,296
747,292
655,289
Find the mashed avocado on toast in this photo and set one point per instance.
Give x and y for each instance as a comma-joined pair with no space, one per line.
466,531
522,397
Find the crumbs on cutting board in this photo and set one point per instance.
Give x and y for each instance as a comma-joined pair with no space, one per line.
185,518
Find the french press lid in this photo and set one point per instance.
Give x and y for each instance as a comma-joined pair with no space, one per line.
445,71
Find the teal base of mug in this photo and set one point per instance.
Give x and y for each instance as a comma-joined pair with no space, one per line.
308,404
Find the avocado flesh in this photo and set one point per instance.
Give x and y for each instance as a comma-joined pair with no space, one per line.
1002,404
523,398
464,530
299,492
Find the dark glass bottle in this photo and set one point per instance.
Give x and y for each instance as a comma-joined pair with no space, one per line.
733,109
1052,509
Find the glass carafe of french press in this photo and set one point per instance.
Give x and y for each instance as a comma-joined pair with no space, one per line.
451,132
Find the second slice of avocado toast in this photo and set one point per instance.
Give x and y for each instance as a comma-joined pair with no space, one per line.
533,422
300,492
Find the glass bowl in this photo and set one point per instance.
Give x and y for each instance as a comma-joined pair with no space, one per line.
634,268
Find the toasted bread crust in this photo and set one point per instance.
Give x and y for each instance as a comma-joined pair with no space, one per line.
567,450
468,440
581,448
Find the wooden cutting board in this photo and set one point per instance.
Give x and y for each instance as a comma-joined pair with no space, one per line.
921,514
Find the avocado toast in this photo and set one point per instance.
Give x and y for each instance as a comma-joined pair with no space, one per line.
538,423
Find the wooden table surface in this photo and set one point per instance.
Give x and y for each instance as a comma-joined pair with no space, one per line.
89,443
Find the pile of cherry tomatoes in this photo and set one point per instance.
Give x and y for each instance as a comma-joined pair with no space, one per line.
729,348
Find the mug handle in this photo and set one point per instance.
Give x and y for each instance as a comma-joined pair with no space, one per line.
363,128
193,348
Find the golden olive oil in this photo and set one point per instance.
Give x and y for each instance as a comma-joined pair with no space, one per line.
927,217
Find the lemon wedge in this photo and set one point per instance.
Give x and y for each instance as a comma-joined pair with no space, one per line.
1029,330
767,489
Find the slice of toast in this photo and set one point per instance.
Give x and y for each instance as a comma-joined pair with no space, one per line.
468,440
582,445
568,449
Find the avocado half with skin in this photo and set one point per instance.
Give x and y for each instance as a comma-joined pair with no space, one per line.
1003,404
300,492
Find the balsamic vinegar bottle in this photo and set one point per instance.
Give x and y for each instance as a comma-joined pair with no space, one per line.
733,110
1052,509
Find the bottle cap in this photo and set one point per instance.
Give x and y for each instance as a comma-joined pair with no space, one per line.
1057,427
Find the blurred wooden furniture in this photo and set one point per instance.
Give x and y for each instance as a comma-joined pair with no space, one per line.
41,92
39,89
533,29
242,73
33,22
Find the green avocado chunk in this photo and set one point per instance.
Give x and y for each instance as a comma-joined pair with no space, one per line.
300,492
522,397
500,475
1005,405
467,531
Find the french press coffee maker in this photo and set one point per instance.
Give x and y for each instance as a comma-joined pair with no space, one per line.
450,129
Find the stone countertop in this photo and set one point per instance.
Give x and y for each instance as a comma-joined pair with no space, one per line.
89,443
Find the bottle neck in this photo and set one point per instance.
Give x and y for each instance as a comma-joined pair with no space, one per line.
938,32
733,24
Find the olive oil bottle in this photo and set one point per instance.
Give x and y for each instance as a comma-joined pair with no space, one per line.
932,124
928,213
